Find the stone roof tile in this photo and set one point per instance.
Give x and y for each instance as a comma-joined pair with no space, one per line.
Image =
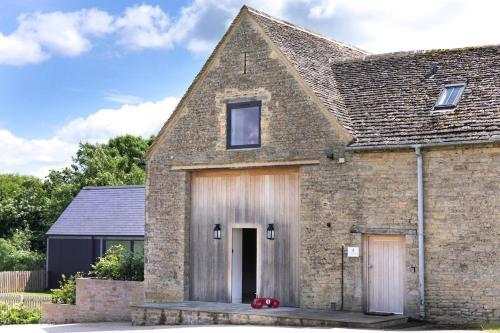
388,99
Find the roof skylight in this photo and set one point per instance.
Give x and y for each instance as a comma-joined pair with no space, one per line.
450,96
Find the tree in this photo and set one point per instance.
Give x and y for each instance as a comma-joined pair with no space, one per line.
118,162
23,204
16,253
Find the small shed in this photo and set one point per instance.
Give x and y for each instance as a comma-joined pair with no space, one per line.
96,219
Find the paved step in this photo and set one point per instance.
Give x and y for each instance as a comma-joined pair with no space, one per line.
206,313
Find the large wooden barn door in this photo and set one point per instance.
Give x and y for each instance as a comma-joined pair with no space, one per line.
386,274
250,198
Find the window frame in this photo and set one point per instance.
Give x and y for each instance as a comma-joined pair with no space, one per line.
445,107
229,129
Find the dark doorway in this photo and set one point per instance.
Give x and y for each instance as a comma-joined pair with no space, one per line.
249,267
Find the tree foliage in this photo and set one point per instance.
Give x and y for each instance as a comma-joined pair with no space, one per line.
118,162
29,203
23,202
16,253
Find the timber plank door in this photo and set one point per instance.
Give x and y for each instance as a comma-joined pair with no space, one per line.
247,199
385,274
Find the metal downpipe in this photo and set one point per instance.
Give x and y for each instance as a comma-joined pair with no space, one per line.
421,249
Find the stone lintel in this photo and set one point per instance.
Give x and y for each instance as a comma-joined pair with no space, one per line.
238,165
383,231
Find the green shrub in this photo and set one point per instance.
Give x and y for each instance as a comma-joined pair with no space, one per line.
18,314
66,294
16,253
118,264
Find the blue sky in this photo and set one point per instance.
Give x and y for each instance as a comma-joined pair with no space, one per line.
74,71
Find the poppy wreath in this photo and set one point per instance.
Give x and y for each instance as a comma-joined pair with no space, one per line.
259,302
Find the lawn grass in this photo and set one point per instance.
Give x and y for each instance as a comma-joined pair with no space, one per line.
493,327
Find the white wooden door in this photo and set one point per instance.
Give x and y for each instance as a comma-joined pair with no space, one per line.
386,274
237,266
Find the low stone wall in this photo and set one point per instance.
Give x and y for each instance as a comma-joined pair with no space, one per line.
96,301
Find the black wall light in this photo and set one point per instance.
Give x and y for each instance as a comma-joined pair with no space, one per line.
270,231
329,154
217,231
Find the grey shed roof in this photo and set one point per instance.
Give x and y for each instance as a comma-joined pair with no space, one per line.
103,211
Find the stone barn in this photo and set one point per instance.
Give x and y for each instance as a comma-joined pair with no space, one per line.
305,169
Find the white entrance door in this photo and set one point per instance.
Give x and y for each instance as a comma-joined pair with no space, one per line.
386,274
237,266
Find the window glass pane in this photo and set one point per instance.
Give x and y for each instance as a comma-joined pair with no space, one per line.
127,245
443,97
245,126
139,247
452,95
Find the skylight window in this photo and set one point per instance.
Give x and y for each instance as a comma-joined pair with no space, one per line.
450,96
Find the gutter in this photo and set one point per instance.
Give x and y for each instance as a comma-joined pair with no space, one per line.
423,145
420,230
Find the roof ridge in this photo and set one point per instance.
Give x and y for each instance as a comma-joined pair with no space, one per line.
111,187
297,27
398,54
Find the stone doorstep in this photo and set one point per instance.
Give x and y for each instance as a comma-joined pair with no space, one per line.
202,313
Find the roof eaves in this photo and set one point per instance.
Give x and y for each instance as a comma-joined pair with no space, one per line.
112,187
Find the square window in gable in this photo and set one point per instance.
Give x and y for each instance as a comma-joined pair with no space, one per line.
449,96
243,125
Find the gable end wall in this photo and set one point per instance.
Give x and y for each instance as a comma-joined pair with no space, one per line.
293,128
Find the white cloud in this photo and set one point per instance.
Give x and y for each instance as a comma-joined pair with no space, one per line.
144,27
33,157
41,35
378,26
38,156
19,51
322,10
142,119
392,25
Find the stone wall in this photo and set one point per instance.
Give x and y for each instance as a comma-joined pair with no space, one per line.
96,301
462,214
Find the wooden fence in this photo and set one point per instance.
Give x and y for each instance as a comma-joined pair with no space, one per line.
30,301
23,281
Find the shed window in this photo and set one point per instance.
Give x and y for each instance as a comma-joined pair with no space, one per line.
135,246
449,96
243,125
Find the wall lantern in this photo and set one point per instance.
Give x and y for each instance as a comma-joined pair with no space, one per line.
217,231
270,231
